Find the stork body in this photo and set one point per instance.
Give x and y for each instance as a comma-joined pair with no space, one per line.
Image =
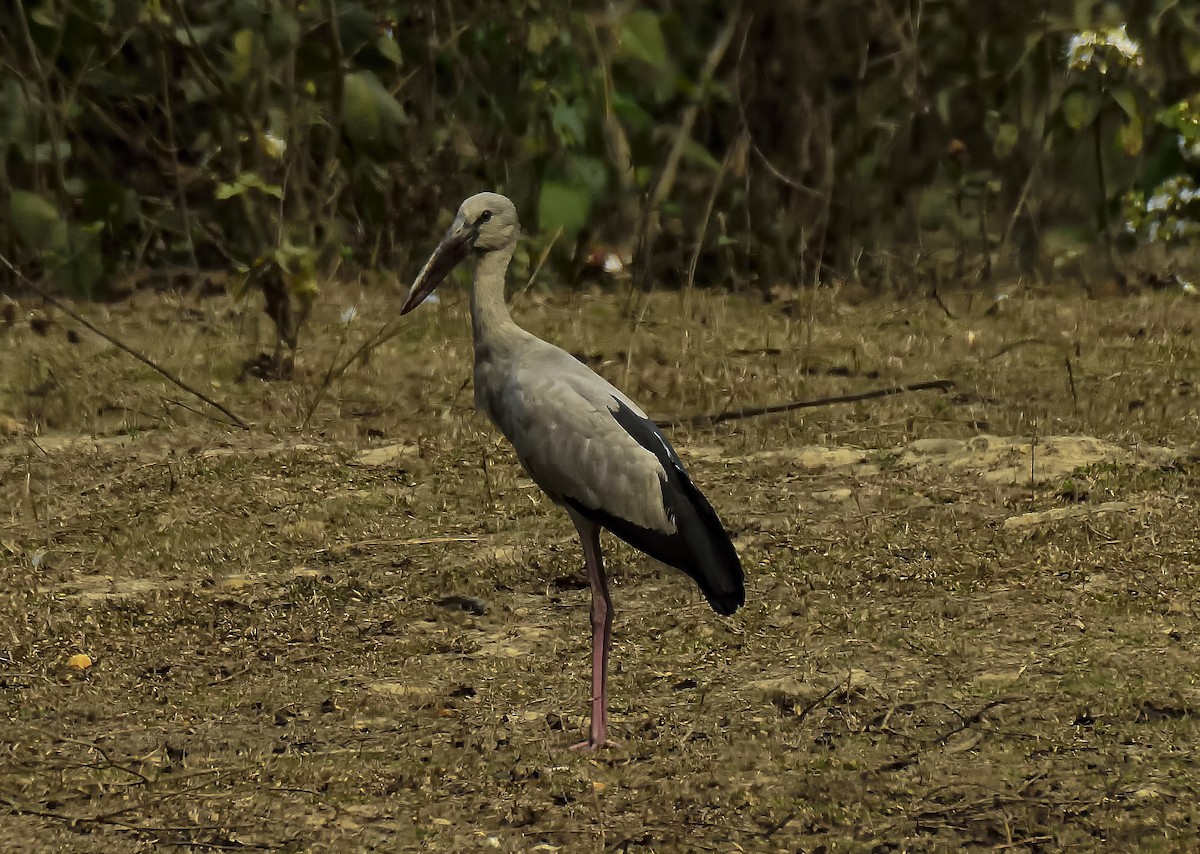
588,446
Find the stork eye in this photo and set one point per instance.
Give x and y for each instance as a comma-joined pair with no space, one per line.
484,217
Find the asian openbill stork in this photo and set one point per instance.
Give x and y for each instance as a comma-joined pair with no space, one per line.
587,445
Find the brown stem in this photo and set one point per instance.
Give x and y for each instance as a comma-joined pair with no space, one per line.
754,411
145,360
666,179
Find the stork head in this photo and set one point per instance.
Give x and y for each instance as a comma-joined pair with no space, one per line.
485,222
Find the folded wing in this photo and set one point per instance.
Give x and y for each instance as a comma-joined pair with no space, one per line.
593,450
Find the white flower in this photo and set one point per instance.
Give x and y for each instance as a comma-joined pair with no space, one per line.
348,314
272,146
1188,150
1158,202
1120,41
1081,49
1097,47
613,263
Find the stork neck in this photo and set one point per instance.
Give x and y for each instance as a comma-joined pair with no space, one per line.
489,311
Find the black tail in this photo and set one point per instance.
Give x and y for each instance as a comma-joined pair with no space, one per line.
699,545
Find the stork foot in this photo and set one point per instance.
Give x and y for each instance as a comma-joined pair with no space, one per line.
590,746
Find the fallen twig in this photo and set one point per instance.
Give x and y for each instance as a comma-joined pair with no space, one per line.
364,544
754,411
1013,345
91,745
145,360
965,722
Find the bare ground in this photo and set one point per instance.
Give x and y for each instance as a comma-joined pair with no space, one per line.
972,617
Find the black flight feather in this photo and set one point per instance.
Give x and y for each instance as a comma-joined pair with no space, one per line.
699,546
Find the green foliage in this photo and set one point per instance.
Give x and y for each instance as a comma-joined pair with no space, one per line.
563,206
1170,211
211,133
36,221
372,119
642,39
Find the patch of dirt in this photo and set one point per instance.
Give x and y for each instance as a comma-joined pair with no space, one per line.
995,458
1016,460
97,588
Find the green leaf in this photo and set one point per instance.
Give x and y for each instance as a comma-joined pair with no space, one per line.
697,153
1191,55
589,172
80,262
298,267
541,34
389,50
372,118
245,182
642,38
1131,136
1005,140
356,26
244,14
195,35
44,14
567,121
13,113
35,219
632,114
1127,100
1080,106
283,32
47,152
247,54
565,206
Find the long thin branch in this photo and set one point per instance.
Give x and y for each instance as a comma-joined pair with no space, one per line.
52,116
754,411
338,118
620,156
145,360
702,231
666,178
173,147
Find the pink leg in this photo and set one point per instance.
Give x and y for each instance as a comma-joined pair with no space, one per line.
589,534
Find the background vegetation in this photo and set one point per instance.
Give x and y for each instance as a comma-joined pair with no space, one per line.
790,141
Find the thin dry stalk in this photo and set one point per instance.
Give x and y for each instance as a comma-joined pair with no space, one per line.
754,411
670,170
541,262
171,377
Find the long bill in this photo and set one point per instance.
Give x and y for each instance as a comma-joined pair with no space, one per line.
455,246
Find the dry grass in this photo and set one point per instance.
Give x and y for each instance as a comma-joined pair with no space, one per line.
913,671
